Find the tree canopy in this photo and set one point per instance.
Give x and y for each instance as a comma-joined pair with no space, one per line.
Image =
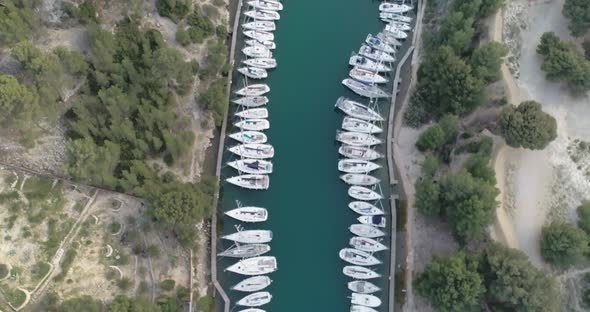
527,126
17,22
564,244
584,217
578,12
427,196
486,61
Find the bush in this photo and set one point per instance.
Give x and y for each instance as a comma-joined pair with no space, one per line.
215,99
479,167
486,61
3,270
564,245
152,251
183,37
221,32
167,285
124,283
173,9
577,12
431,139
206,303
527,126
583,217
430,166
39,270
183,294
428,197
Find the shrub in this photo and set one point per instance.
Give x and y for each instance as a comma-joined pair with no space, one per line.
167,285
3,270
583,217
124,283
432,138
564,244
173,9
206,303
183,37
527,126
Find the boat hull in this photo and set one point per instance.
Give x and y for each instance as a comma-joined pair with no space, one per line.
259,35
363,287
359,179
363,89
359,272
377,221
363,193
357,110
254,151
366,76
253,72
253,124
250,181
245,251
366,244
254,266
249,137
359,125
250,237
267,44
357,166
260,25
366,231
263,15
358,257
253,284
365,209
248,214
359,152
255,299
263,62
253,113
252,166
365,300
257,51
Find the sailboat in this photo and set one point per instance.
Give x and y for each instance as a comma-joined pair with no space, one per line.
253,113
359,125
366,76
249,137
253,72
363,193
365,300
357,110
368,64
357,166
366,244
364,89
256,43
396,17
379,44
378,221
248,214
357,138
396,32
363,287
250,236
255,299
253,124
252,166
366,231
399,25
254,283
250,181
257,51
266,5
263,15
256,151
254,266
261,62
358,257
358,308
259,35
359,179
365,209
394,8
388,38
251,101
359,152
260,25
256,89
245,251
375,54
359,272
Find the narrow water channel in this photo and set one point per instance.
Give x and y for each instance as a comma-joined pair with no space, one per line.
307,202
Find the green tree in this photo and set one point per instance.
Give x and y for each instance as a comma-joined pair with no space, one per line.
564,244
80,304
450,126
527,126
583,217
182,37
430,166
489,7
469,204
167,285
578,11
451,283
17,23
432,139
479,167
125,304
92,163
514,284
486,61
17,102
215,99
457,31
173,9
428,196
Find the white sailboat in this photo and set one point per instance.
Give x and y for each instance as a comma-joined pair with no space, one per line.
254,283
358,257
359,179
396,32
376,54
363,287
394,8
365,300
256,151
365,209
357,110
253,72
357,138
398,25
253,113
356,166
255,299
255,43
363,193
256,89
379,44
249,137
259,35
251,101
366,231
266,5
257,51
359,125
364,89
359,152
245,251
395,17
367,76
360,308
250,236
263,15
254,266
359,272
260,25
388,38
368,64
248,214
250,181
378,221
366,244
261,62
253,124
252,166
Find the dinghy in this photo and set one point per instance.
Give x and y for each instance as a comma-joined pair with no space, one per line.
252,166
257,51
358,125
389,39
256,151
366,231
266,5
263,15
248,214
357,110
253,72
394,8
366,244
249,137
364,89
379,44
251,101
363,287
357,257
397,33
245,251
365,209
256,43
254,283
257,89
261,62
359,179
398,25
259,35
395,17
254,266
250,181
356,138
377,221
363,193
253,124
366,76
359,152
360,308
376,54
250,236
255,299
260,25
253,113
356,166
365,300
359,272
368,64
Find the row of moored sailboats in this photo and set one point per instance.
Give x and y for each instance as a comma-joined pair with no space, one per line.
360,136
251,246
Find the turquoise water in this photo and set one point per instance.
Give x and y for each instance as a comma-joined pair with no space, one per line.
307,202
